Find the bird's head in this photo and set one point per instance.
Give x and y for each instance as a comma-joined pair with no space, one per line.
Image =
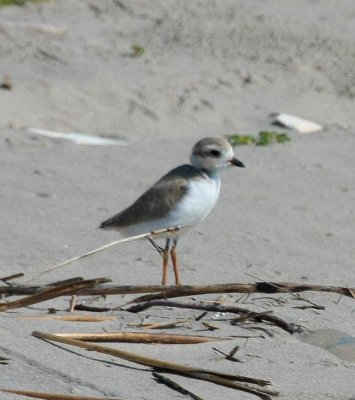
213,154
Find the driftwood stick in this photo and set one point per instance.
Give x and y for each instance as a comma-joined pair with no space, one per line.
257,287
66,281
53,396
181,369
187,290
102,290
16,290
163,292
11,277
85,307
256,316
51,294
141,337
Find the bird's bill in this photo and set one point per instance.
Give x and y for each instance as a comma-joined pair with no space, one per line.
236,163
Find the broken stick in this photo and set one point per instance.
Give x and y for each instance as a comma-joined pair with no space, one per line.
66,289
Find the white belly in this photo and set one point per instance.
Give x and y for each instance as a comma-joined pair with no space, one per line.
199,200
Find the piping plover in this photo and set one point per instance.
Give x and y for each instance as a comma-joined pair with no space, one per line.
181,198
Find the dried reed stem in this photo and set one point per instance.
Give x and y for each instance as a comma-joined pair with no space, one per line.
198,373
53,396
141,337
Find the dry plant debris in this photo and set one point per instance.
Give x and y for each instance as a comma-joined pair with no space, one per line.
245,313
175,386
163,325
159,297
70,318
48,294
53,396
99,288
238,382
141,337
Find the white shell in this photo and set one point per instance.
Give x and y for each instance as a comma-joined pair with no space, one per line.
78,138
299,124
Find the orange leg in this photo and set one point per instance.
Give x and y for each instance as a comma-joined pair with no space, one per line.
165,267
165,254
175,264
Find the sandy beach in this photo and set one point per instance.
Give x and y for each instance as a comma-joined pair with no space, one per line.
160,75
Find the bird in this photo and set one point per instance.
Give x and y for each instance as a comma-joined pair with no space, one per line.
178,201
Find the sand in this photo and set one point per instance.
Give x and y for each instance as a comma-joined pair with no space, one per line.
209,68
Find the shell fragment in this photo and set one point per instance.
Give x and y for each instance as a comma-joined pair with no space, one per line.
298,124
79,138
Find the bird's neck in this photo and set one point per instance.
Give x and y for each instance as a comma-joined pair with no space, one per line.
209,174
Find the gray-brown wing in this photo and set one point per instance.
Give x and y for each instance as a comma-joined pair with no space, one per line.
158,200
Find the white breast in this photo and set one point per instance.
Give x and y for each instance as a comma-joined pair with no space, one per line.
199,200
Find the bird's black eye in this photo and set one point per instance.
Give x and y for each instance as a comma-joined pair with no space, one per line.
215,153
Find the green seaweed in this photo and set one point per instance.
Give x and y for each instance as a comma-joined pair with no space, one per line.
282,138
268,137
237,140
264,138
